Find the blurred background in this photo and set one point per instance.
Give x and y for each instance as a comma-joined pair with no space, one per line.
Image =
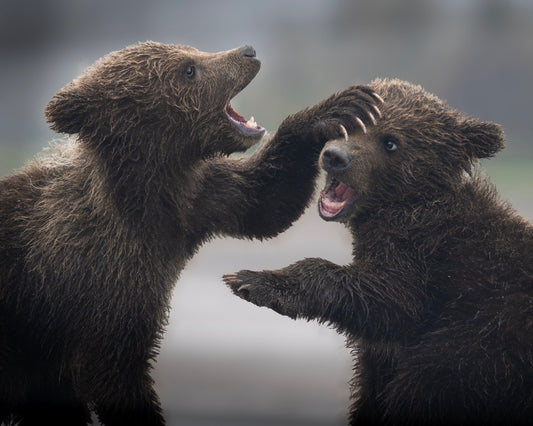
223,361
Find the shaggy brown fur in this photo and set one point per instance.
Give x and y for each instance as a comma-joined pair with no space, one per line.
438,301
94,234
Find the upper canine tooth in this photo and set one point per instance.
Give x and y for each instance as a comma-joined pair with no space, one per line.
251,122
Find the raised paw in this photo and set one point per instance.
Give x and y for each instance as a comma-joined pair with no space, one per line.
263,289
237,284
354,109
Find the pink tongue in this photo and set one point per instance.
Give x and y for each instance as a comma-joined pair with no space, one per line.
343,192
234,114
333,201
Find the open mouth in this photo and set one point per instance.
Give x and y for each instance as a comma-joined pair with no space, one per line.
249,128
335,199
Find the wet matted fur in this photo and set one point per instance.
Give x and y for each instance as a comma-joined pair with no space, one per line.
437,304
94,234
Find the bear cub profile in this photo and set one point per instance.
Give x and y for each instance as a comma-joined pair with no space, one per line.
437,304
94,234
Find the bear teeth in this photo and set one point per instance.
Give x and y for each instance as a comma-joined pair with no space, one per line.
241,122
335,197
333,207
251,123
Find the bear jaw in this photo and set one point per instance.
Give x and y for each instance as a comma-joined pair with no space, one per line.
249,129
336,199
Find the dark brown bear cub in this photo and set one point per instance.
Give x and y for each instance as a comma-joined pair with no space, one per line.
438,301
94,234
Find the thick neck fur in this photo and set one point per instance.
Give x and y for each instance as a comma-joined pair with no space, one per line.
435,202
425,218
430,233
136,205
140,173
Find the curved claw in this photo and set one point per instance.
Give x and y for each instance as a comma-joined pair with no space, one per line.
344,132
379,98
372,118
377,110
230,278
244,287
360,122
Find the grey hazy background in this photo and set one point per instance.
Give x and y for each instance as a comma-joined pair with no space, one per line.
223,361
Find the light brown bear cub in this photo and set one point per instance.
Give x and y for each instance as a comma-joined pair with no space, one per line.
438,301
94,235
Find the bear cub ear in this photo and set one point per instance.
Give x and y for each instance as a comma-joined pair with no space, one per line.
68,109
483,138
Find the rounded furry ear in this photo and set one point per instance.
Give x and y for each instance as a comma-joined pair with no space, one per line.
483,139
67,111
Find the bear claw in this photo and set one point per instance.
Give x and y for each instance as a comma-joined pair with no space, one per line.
379,98
230,278
360,122
244,288
377,110
372,118
344,132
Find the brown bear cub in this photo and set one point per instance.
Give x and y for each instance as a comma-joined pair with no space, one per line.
94,234
438,301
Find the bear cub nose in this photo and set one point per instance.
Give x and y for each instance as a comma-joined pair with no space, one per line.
335,159
248,51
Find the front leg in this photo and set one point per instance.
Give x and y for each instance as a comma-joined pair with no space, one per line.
375,303
310,289
129,403
262,195
343,113
123,393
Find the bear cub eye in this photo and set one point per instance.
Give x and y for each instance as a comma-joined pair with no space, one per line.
190,71
390,143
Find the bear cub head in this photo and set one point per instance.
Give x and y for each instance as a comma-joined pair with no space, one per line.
150,93
419,148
